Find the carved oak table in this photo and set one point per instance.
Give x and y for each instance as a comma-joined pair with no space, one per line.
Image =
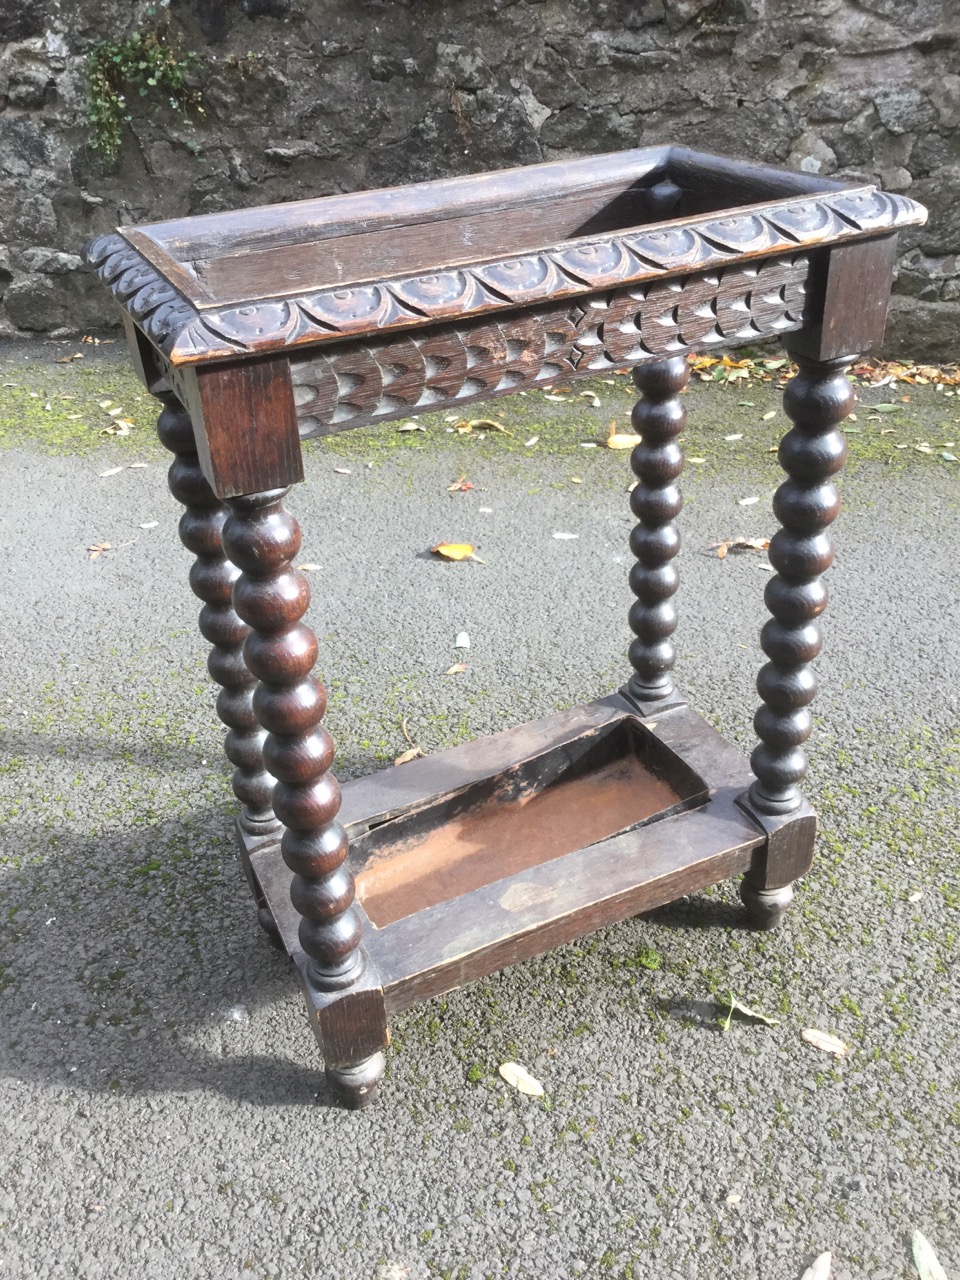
256,329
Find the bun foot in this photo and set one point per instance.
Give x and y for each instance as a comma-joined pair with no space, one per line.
764,906
356,1087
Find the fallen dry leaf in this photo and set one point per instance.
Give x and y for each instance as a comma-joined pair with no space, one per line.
110,471
739,544
768,416
463,485
134,466
915,896
411,426
747,502
521,1079
69,359
454,550
737,1006
624,440
566,537
819,1269
735,435
531,442
414,750
557,399
488,423
342,471
826,1041
457,669
149,524
309,567
927,1263
97,549
594,399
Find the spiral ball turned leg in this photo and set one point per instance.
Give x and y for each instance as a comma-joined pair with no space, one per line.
657,462
211,578
262,539
806,504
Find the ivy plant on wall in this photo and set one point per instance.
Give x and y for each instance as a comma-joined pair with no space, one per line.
151,64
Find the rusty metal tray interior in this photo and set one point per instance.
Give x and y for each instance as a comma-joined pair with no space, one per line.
575,795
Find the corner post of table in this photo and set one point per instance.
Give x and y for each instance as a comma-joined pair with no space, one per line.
659,417
342,990
251,455
211,578
845,316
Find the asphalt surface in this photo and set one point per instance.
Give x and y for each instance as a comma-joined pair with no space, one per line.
162,1113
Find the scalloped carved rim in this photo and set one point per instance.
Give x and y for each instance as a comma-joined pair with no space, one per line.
449,365
187,335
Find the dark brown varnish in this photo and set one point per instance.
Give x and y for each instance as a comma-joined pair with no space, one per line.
259,327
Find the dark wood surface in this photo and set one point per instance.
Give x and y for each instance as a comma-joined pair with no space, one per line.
246,424
262,539
410,257
212,577
657,461
806,504
849,298
259,327
521,913
351,385
271,597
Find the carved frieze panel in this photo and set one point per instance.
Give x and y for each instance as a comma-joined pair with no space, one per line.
349,386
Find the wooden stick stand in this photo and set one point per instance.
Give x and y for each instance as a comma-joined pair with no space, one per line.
258,328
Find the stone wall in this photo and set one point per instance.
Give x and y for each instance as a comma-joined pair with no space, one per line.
306,97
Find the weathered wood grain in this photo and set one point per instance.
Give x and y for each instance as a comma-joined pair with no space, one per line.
271,324
442,368
317,271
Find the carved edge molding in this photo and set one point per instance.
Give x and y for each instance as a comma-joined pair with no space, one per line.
359,382
190,336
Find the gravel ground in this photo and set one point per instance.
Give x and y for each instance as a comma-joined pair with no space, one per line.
161,1109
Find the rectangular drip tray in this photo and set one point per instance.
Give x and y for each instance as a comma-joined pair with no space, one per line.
503,848
570,797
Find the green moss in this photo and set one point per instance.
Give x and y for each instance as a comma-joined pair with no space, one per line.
55,408
562,428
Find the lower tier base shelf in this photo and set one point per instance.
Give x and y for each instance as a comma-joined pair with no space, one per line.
503,848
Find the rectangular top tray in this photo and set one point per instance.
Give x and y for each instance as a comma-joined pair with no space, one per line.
256,280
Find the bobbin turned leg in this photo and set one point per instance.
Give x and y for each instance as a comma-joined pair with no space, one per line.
211,578
806,504
343,993
657,462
